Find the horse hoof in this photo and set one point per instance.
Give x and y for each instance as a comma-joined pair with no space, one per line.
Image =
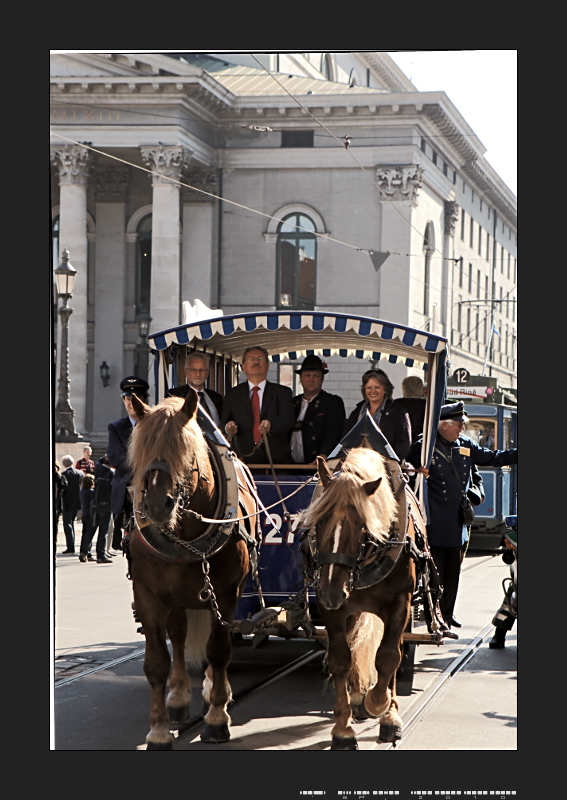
390,733
342,743
215,734
160,746
179,716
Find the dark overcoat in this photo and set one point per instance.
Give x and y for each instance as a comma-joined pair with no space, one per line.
277,407
394,424
119,433
322,426
183,391
444,490
71,500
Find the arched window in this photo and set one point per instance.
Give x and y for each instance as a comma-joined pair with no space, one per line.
296,262
327,67
143,265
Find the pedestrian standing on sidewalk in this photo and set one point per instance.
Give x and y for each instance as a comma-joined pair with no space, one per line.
71,501
87,494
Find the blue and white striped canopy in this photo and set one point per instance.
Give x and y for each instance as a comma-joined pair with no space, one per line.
293,335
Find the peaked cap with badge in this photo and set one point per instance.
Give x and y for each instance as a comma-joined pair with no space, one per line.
134,385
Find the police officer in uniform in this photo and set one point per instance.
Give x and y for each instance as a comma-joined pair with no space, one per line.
320,416
447,532
119,433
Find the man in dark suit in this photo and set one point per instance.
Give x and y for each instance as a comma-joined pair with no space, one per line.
197,372
320,416
71,501
119,433
258,406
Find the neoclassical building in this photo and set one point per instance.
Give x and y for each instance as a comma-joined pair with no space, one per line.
291,175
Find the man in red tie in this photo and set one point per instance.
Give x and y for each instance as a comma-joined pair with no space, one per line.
259,406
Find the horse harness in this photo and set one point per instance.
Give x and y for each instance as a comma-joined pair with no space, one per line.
374,560
231,477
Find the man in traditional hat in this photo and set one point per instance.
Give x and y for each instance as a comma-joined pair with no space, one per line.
258,406
197,372
119,433
448,477
320,416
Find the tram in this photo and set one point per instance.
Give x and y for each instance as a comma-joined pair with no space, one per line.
289,337
493,423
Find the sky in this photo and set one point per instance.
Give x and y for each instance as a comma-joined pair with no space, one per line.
482,85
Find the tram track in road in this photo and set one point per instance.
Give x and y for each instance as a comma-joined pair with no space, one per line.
417,710
189,727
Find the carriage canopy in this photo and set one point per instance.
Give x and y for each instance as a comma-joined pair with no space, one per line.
295,334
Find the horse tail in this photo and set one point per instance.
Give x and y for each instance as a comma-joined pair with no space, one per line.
363,640
198,632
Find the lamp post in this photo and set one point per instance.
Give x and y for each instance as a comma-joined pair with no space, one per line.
65,275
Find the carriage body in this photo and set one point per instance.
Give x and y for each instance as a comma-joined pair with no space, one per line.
288,338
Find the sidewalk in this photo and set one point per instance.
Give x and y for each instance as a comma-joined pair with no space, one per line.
93,622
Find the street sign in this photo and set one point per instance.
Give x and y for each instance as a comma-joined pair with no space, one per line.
461,376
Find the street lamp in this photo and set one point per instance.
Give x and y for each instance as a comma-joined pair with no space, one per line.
65,275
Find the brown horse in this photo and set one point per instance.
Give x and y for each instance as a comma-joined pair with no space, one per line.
178,478
350,545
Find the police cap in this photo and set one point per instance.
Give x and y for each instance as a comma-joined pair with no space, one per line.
453,411
134,385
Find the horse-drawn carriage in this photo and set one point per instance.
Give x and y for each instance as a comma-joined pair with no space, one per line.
279,526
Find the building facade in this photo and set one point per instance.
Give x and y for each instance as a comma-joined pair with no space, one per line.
271,182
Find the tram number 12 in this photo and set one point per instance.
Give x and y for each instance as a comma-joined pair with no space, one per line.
274,536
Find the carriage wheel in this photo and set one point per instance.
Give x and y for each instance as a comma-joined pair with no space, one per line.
405,673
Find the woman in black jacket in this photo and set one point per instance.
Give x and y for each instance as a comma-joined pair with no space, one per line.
391,418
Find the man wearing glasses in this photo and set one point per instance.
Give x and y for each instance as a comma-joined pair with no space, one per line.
197,372
448,476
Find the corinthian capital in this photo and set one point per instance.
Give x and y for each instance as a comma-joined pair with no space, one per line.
73,163
400,183
111,185
169,162
205,179
451,217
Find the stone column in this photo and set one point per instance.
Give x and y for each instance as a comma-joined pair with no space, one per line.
399,185
451,217
197,254
169,162
110,267
74,163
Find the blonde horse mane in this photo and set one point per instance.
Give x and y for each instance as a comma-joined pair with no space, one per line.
165,435
378,511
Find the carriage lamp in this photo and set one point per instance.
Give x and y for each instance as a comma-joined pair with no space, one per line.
105,373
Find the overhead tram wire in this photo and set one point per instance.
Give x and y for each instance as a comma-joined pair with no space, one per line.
260,128
369,251
348,150
231,202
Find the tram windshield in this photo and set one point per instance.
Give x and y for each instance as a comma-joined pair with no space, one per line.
482,431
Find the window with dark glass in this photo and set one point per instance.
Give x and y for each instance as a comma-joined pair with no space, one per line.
296,262
144,266
297,138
